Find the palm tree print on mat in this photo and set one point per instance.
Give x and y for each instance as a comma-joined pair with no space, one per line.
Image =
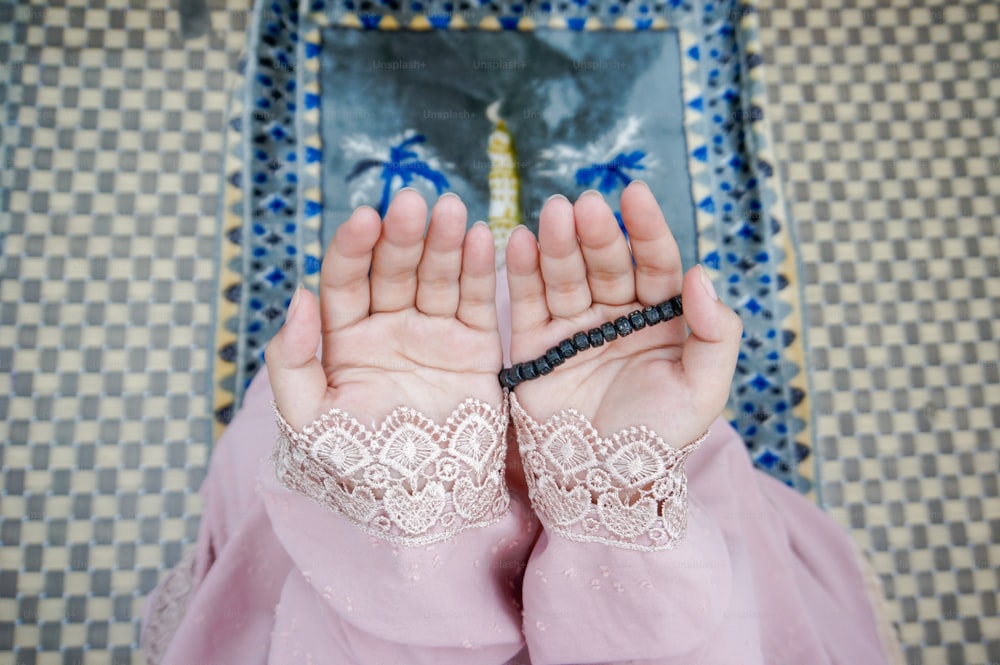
611,174
403,165
607,161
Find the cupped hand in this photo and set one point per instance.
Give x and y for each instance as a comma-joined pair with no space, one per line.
579,274
403,318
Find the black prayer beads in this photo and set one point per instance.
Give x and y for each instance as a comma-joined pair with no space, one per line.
593,338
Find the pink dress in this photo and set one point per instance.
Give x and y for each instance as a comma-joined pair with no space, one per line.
282,576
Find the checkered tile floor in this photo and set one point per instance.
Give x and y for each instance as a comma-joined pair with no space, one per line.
112,127
885,121
111,150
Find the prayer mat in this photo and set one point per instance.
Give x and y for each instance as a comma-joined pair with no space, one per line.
344,103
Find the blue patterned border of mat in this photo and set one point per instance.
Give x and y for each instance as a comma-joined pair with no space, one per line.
269,239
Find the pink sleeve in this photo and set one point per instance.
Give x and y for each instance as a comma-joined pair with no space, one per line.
598,603
761,576
625,570
391,567
217,604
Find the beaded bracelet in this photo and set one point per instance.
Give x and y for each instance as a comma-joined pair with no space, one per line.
583,340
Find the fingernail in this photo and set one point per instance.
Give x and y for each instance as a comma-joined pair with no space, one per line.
557,196
706,283
481,223
452,195
639,182
292,306
590,192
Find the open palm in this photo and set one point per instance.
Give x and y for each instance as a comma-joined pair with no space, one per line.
582,272
404,319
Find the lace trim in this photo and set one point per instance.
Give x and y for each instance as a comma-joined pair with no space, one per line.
410,482
629,490
170,600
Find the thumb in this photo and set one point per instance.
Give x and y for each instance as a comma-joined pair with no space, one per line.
711,351
297,376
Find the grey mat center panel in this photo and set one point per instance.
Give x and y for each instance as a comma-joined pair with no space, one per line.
561,94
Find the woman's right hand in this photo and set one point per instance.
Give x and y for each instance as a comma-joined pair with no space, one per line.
404,319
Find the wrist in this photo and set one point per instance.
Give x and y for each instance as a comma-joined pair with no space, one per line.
628,490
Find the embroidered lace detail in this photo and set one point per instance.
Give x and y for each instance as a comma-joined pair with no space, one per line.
628,490
410,482
170,601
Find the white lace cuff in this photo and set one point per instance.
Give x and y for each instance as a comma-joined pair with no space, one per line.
410,482
628,490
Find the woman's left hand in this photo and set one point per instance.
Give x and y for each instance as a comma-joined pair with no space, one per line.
579,274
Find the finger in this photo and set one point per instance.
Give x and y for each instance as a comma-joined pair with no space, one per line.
711,350
477,306
344,288
441,263
658,272
561,262
605,251
528,307
296,375
397,253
